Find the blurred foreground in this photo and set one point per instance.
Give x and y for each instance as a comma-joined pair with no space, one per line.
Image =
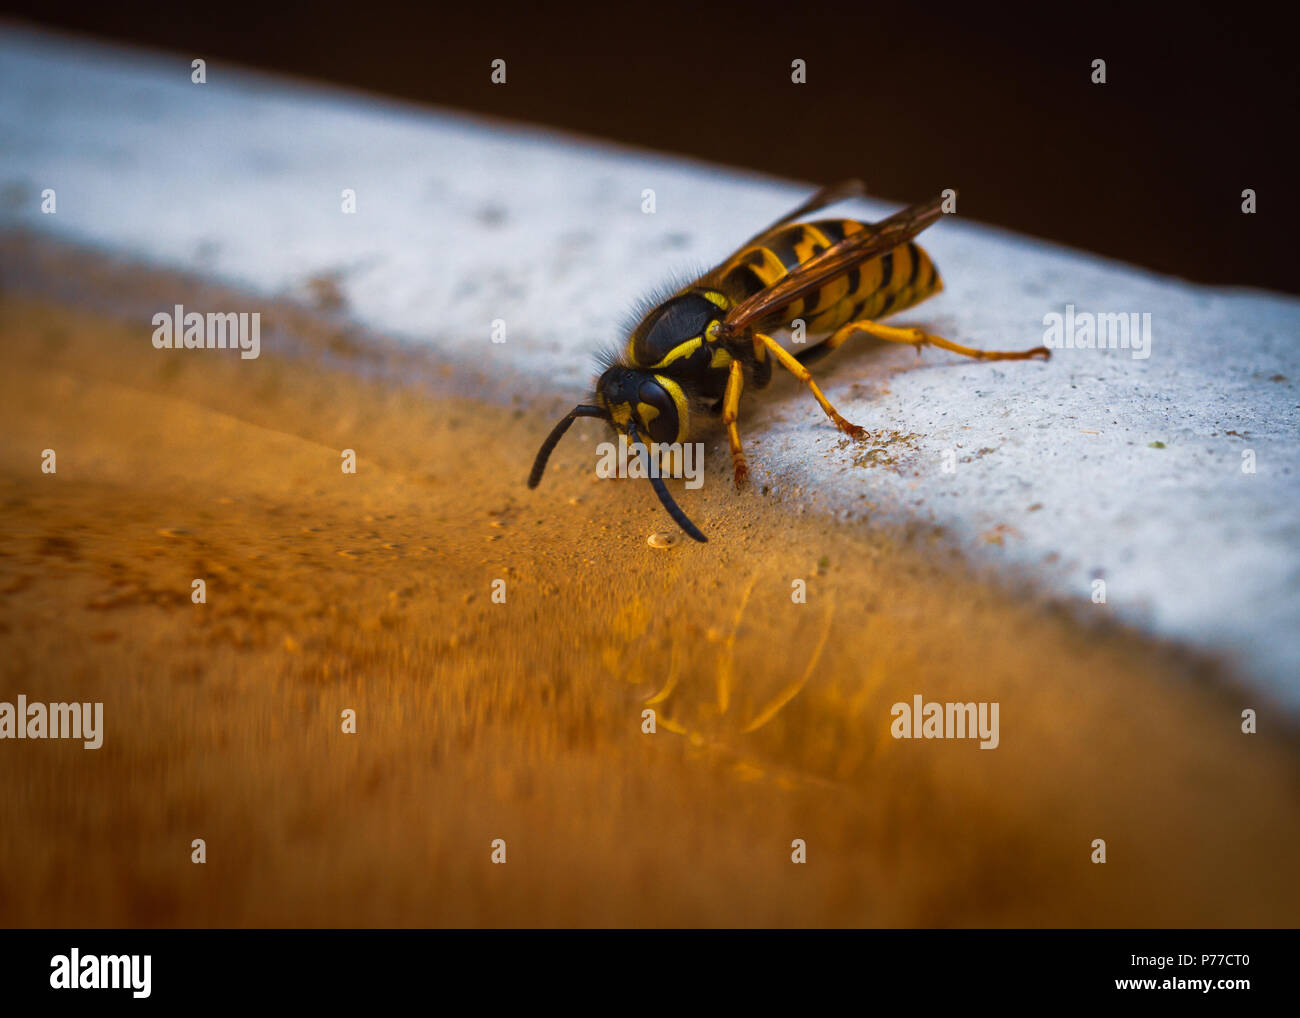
523,720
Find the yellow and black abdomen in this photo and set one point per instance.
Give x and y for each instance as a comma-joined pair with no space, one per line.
881,286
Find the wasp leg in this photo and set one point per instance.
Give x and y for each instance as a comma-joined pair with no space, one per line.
791,364
918,339
730,410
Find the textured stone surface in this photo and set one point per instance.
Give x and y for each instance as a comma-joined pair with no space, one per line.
461,222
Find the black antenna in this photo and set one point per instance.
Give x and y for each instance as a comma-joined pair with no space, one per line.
661,489
557,433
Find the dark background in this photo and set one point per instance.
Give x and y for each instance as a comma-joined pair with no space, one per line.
995,100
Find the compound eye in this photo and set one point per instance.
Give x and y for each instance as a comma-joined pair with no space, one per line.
657,410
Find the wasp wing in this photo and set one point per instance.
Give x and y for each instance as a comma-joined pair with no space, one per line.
832,263
826,196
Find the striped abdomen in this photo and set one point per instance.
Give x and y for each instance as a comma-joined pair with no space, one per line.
878,287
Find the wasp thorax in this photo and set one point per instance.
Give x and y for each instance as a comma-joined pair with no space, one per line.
654,403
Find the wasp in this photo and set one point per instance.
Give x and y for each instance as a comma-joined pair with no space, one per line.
698,350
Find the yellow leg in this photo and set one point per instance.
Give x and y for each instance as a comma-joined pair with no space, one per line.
730,411
918,339
789,362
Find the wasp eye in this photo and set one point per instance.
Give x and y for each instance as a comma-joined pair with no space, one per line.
658,412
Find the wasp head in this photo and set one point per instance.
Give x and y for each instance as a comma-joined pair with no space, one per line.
640,404
650,405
